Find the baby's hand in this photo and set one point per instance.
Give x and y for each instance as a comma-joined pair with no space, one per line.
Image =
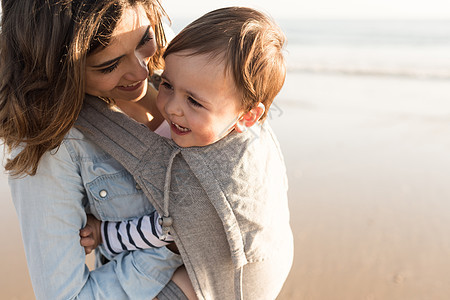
90,235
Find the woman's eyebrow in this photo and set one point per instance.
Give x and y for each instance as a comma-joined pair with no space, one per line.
109,62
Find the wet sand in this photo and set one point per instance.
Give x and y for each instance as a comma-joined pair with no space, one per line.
369,166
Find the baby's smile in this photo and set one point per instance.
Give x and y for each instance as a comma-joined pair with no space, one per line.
179,129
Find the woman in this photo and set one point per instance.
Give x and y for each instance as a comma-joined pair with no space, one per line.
52,54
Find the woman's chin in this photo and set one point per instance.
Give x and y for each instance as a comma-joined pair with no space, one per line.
133,95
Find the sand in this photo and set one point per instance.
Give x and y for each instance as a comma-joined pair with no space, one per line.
368,167
14,279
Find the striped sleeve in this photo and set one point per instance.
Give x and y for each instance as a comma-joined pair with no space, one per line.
134,234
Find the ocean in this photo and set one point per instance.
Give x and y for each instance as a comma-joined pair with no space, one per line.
419,49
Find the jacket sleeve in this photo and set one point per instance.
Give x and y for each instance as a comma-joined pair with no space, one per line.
50,208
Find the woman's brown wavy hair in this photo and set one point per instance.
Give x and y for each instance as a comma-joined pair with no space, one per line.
43,49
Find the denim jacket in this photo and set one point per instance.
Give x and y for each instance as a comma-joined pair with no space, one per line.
75,179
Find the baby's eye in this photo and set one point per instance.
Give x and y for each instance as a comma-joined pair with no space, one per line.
193,102
166,85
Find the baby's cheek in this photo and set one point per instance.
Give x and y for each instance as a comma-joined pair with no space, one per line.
206,138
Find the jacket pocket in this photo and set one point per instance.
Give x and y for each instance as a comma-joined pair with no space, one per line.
117,197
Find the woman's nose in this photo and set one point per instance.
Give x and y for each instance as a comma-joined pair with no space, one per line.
138,69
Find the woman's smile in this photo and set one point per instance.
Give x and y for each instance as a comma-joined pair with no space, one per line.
131,87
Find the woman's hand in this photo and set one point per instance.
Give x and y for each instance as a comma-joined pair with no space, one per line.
90,235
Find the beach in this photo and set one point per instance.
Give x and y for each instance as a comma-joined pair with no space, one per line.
14,279
367,155
369,171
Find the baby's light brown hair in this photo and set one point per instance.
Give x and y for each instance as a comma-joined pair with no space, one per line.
250,43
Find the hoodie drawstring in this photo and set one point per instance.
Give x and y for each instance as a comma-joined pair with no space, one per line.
238,291
166,220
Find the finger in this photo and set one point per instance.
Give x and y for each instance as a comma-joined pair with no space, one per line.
88,250
87,242
86,231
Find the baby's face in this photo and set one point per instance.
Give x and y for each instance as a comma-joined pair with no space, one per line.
198,99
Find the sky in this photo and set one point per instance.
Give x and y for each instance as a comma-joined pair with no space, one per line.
320,9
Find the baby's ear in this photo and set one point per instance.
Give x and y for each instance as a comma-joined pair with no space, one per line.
250,118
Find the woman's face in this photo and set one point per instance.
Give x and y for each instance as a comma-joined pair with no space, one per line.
120,70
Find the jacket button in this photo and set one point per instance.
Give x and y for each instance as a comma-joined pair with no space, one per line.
103,193
137,186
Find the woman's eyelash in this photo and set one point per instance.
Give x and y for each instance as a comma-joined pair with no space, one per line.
110,68
145,40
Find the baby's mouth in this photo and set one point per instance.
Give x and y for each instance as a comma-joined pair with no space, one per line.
180,128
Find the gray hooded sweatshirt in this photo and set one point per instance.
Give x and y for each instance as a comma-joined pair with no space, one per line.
228,201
